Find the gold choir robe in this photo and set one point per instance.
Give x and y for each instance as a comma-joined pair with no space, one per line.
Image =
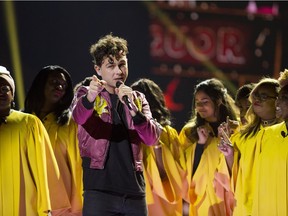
26,161
163,196
271,186
242,181
199,190
64,142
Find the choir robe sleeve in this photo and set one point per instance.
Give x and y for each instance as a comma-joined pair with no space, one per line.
168,189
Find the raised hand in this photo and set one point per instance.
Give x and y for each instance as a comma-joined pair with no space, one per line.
225,145
203,135
95,87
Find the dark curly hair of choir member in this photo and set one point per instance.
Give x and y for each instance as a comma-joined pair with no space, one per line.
155,98
242,100
244,91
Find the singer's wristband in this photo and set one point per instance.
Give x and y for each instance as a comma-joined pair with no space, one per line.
86,103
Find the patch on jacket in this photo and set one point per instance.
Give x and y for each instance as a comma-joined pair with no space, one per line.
138,103
101,106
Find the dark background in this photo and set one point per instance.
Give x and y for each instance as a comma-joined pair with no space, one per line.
61,33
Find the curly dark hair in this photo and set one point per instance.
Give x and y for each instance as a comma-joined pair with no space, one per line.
108,45
244,91
155,98
35,98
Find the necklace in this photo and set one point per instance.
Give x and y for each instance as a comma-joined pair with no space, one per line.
268,122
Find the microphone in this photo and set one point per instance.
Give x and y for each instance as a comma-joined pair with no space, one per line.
125,97
283,134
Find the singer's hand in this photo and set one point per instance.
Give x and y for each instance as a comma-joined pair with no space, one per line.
95,87
124,90
225,148
225,145
203,135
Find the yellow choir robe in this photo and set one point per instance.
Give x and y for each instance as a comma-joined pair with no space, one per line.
25,158
65,146
271,186
200,190
242,181
163,196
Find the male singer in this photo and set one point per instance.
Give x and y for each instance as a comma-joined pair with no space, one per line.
113,123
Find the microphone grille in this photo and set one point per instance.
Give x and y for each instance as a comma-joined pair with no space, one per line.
118,83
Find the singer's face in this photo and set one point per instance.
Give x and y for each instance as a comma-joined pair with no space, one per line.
55,88
6,96
205,106
282,105
243,104
263,102
113,70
